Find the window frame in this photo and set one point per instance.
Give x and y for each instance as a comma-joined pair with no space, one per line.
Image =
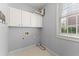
67,36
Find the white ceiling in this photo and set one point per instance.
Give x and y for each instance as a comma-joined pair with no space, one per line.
36,5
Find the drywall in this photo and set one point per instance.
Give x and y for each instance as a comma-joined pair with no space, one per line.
16,34
49,28
3,32
3,40
48,37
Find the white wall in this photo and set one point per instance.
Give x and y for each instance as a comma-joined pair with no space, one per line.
3,33
60,46
3,40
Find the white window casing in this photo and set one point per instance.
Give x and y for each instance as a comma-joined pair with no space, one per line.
72,12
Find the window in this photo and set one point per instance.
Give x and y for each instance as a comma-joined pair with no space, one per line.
72,24
63,25
69,19
68,24
78,24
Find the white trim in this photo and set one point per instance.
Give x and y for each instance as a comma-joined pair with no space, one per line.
68,36
73,38
58,14
76,24
53,53
57,19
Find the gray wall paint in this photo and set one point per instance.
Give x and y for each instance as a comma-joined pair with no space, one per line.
49,31
48,34
60,46
15,40
16,35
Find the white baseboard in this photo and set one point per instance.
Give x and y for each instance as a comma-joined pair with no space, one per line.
53,53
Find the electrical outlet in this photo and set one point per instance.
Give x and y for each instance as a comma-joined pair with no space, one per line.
26,33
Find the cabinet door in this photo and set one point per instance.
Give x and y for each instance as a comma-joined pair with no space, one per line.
36,20
15,17
39,21
26,19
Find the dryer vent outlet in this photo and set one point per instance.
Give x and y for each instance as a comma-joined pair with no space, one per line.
41,46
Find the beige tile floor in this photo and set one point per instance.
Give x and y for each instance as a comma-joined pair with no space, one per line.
32,51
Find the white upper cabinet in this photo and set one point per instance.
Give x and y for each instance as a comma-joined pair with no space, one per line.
22,18
15,17
36,20
26,19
